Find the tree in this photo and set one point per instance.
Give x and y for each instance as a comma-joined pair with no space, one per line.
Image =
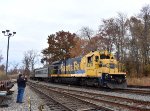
121,39
33,55
139,42
86,34
99,42
110,31
134,58
14,69
114,30
60,45
29,61
78,49
145,17
26,64
2,68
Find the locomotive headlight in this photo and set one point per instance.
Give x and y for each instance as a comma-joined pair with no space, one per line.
125,76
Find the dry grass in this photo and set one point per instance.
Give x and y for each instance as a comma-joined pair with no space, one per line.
144,81
14,76
3,76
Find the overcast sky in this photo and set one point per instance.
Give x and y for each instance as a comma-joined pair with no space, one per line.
34,20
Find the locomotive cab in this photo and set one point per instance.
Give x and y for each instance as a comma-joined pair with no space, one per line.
111,76
104,66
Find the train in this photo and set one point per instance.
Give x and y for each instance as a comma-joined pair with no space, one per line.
97,68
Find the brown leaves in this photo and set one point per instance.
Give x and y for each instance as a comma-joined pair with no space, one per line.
60,45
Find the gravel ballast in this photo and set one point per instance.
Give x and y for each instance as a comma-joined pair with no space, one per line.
36,101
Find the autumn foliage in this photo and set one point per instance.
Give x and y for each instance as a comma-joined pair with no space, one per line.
60,45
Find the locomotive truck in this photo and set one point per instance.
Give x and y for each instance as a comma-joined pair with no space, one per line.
98,68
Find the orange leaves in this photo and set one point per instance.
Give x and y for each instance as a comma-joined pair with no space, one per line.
60,45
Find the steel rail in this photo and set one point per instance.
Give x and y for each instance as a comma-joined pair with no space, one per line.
49,97
96,107
108,97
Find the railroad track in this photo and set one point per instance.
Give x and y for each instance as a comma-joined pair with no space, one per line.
134,91
128,90
52,103
1,100
59,101
107,100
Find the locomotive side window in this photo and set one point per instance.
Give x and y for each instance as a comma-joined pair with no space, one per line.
96,58
89,61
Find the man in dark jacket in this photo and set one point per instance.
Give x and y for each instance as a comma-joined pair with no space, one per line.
21,82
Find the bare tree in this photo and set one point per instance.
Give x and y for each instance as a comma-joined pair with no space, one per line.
145,38
26,64
110,31
86,32
121,39
14,69
145,16
29,61
134,58
33,55
139,43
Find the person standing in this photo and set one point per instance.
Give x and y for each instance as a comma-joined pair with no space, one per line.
21,83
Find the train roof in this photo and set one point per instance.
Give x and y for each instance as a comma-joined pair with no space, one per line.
40,68
56,62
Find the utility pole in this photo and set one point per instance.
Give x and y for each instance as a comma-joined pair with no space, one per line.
7,33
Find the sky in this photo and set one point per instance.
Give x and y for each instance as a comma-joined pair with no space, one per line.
34,20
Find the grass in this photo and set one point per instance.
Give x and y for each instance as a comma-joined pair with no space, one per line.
14,76
143,81
3,76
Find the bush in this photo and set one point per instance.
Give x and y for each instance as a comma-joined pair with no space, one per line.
146,70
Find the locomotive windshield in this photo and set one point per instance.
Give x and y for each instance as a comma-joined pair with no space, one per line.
103,56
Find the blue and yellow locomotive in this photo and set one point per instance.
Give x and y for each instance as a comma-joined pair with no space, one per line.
96,68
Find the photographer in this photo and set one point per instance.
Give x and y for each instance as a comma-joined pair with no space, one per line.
21,83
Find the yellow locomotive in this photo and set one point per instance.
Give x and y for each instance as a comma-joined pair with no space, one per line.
96,68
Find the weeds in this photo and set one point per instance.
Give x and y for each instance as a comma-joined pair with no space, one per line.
144,81
3,76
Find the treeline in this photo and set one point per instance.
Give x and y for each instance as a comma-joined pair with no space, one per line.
29,60
128,37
